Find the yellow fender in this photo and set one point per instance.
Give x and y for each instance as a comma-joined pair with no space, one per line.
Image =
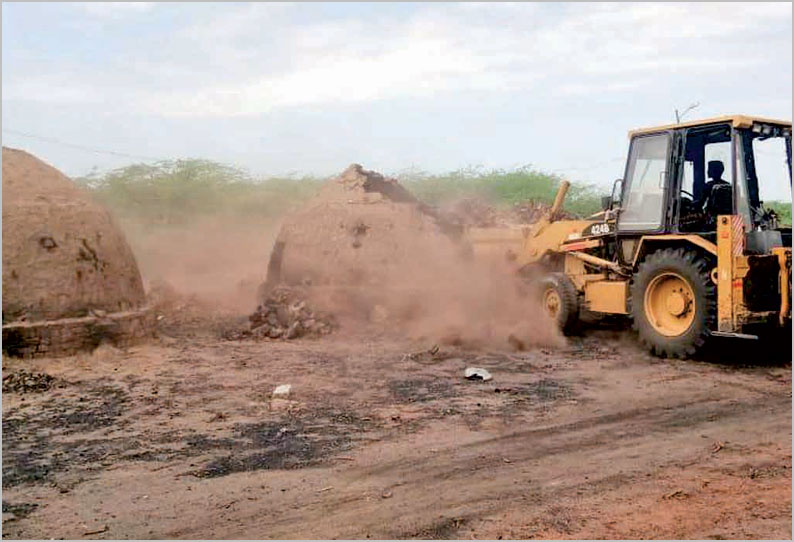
696,240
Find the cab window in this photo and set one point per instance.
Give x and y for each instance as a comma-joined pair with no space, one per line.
774,181
646,174
706,180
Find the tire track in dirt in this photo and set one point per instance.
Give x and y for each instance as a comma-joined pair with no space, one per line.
664,417
453,485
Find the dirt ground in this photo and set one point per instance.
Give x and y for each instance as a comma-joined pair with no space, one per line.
380,438
381,435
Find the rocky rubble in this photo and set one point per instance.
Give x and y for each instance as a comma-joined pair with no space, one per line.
25,382
285,314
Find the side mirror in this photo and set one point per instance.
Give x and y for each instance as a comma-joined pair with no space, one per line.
606,203
616,192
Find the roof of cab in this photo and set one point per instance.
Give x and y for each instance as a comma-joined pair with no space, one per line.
738,121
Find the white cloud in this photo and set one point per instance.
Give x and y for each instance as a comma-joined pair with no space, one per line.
112,10
255,58
417,64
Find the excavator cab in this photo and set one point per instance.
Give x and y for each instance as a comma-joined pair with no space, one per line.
680,178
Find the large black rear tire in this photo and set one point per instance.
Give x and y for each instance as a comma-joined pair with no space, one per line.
673,302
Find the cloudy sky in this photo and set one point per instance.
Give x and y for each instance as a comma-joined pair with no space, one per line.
310,88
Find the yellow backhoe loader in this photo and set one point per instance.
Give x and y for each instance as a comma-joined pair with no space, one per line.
684,246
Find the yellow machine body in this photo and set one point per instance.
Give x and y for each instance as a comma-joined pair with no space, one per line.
604,285
595,265
731,274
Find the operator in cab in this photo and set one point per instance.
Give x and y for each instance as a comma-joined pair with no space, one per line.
714,172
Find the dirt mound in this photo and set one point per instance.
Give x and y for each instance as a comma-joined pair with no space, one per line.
63,255
369,250
70,280
361,229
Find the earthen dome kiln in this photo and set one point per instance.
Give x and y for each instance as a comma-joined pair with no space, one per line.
70,279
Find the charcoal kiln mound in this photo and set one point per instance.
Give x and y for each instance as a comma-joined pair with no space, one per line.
361,229
361,239
70,280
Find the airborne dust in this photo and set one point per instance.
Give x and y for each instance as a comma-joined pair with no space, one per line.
364,249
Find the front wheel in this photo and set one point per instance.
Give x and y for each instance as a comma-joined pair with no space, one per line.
559,300
673,302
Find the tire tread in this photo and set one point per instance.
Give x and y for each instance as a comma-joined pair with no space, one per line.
686,262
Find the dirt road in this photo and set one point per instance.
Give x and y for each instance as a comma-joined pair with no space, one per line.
381,439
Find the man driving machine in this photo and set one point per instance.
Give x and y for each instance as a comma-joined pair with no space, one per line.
714,172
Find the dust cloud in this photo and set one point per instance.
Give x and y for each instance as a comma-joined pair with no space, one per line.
363,249
376,256
216,263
